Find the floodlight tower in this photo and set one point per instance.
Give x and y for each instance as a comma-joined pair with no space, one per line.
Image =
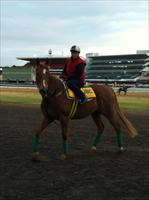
50,52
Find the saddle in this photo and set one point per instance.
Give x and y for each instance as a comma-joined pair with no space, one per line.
86,89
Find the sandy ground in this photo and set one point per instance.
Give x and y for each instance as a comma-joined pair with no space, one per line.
106,175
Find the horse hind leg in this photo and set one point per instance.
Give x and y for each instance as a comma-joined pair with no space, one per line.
100,128
117,126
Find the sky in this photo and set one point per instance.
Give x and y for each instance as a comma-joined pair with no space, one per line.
31,28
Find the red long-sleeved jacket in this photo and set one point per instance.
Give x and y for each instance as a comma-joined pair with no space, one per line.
75,69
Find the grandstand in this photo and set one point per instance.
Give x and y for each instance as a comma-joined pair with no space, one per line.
1,73
144,77
111,68
127,68
26,73
18,74
56,63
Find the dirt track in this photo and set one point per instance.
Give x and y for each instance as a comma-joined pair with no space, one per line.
106,175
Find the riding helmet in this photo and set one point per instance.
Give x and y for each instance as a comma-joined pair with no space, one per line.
75,48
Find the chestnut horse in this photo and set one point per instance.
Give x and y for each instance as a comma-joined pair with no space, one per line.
56,105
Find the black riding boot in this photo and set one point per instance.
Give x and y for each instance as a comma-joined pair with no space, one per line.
75,86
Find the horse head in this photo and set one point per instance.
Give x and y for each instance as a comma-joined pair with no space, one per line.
42,78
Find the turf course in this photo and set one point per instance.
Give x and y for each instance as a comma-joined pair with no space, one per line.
131,101
134,102
20,98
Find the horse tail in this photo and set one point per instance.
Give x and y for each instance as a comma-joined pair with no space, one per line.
131,129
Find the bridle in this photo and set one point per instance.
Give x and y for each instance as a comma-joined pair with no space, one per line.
56,92
42,78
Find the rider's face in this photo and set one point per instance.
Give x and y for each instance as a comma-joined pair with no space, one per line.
74,54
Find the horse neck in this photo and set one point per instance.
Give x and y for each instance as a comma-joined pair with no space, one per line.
53,83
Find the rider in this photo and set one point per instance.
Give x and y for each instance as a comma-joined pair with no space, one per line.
74,73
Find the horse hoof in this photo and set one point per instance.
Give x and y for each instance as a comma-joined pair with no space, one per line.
36,157
63,157
121,150
93,150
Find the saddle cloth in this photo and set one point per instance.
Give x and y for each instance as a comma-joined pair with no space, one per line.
88,91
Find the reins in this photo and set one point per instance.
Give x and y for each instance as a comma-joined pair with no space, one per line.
59,87
57,93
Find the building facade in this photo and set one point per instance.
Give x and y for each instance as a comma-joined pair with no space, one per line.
107,68
113,68
56,63
144,77
18,74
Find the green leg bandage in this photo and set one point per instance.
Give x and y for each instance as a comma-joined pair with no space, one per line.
97,139
35,144
65,146
119,140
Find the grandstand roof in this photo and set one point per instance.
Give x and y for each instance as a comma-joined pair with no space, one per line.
42,58
117,55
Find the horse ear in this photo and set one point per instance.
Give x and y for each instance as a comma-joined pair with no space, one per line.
36,63
47,61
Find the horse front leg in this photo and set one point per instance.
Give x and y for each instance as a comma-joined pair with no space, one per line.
64,127
100,128
36,140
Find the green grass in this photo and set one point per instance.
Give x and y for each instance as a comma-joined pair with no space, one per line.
20,98
134,103
126,102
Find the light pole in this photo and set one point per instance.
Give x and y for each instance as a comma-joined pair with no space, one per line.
50,52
